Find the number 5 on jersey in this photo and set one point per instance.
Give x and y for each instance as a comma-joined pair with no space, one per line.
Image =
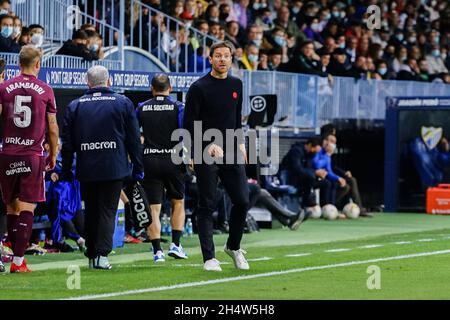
22,113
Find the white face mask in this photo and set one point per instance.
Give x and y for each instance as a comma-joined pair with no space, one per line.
37,39
3,11
16,32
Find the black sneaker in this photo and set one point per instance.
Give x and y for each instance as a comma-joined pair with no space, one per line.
365,213
296,221
64,247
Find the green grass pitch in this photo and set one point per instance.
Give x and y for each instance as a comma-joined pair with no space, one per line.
321,260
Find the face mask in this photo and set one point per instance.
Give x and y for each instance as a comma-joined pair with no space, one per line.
257,42
37,39
336,14
267,20
280,41
328,16
412,39
436,53
315,27
436,39
380,54
399,37
16,31
382,71
7,31
443,56
252,58
188,24
333,147
256,6
295,10
3,11
214,19
263,5
94,48
342,45
343,14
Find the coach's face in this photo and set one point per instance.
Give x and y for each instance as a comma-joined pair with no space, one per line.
221,60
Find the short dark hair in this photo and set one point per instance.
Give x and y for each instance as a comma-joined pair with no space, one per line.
35,26
160,82
80,34
327,129
314,142
222,44
6,16
92,34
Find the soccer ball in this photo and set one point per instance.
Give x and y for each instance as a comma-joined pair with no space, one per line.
329,212
314,212
351,210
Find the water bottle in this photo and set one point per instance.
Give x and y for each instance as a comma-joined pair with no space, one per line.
189,230
41,238
169,227
164,225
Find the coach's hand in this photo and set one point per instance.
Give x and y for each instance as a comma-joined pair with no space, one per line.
51,162
215,151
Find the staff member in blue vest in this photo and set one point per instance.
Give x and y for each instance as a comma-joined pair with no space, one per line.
101,128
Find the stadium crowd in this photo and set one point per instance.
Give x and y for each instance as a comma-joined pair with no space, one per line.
316,37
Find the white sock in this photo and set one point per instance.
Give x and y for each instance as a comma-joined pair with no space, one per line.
18,261
81,241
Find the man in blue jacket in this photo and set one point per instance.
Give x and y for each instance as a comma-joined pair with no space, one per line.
102,129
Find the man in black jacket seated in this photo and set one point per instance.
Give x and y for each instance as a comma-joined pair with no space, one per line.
77,47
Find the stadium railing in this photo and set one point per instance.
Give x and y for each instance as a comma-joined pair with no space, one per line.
61,17
308,101
65,62
166,47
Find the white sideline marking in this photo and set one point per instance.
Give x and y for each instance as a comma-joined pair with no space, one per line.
297,255
370,246
255,276
425,240
338,250
260,259
403,242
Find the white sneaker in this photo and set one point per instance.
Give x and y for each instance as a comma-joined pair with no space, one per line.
212,265
238,258
159,257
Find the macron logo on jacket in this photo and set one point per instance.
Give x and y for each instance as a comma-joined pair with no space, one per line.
98,145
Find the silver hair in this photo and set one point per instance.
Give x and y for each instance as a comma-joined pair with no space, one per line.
97,76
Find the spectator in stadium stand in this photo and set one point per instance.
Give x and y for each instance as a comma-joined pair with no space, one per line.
263,19
415,53
401,54
17,29
222,33
232,33
25,37
372,69
95,43
214,30
423,75
37,35
7,44
328,46
325,61
196,39
275,59
313,30
263,60
435,61
352,44
250,58
5,7
177,9
409,71
243,13
255,35
359,68
275,39
77,47
212,13
288,25
383,71
337,65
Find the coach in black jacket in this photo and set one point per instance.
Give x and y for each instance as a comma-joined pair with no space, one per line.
102,129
